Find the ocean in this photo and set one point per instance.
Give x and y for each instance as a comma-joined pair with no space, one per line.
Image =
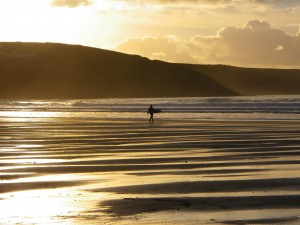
211,108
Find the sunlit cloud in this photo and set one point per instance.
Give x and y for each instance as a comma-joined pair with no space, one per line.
70,3
179,1
166,48
270,2
255,44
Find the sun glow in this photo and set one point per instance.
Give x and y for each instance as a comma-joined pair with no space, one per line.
37,21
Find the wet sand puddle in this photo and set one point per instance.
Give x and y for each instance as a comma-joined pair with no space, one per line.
93,171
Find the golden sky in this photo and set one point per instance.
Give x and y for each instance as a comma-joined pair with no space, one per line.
254,33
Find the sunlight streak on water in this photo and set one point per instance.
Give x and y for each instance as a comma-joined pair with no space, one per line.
26,116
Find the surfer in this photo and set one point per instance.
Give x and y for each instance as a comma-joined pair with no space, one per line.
151,111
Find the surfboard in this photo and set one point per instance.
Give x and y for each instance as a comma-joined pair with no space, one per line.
156,110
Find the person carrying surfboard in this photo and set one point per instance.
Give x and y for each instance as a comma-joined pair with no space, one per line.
151,111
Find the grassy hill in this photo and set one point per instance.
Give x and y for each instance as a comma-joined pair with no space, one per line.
44,70
252,81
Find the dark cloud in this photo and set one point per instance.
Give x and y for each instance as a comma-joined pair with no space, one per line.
70,3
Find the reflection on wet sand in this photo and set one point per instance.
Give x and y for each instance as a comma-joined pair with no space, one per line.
132,206
119,171
216,186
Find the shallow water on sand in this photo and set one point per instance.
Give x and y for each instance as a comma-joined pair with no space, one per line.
89,170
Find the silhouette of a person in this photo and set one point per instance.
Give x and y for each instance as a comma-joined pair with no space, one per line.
151,111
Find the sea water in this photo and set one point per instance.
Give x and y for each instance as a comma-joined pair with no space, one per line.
220,108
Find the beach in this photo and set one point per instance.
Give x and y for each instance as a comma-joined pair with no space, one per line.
64,170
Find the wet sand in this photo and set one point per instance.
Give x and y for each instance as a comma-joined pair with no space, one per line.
94,171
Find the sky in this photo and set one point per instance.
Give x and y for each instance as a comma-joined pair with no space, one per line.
247,33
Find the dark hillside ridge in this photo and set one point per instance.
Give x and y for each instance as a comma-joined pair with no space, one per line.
253,81
38,70
50,71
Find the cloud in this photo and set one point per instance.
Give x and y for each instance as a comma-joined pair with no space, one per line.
273,2
165,48
70,3
256,44
175,2
178,1
191,1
